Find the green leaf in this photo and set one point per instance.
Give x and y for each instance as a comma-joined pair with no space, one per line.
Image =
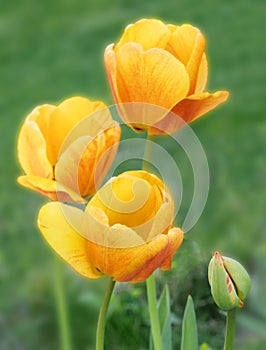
165,318
164,313
189,339
205,346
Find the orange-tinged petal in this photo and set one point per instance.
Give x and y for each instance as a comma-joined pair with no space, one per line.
53,221
49,188
86,161
174,243
67,167
195,106
182,42
79,107
168,125
188,44
153,77
32,150
195,61
42,115
188,110
137,263
202,75
110,64
129,200
106,144
96,229
151,178
64,118
147,32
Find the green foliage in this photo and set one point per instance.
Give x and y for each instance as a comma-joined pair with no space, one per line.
189,339
205,346
127,325
164,312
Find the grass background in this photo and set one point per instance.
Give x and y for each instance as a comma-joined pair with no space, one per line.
50,50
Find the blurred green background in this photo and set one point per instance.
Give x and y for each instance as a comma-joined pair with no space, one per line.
50,50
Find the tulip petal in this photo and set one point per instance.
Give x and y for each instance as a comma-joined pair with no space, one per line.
96,229
187,111
106,144
187,44
147,32
170,124
195,106
85,162
110,64
78,107
129,199
53,221
175,237
32,150
194,62
202,75
153,77
162,220
239,276
182,42
66,117
49,188
137,263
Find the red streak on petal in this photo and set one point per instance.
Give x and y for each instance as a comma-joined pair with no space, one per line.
219,257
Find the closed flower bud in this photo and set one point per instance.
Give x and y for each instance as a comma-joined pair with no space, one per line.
229,281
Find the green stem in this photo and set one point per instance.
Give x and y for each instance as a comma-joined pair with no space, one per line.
102,316
150,282
61,305
230,330
154,318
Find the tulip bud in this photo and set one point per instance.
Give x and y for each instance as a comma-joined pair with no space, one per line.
229,281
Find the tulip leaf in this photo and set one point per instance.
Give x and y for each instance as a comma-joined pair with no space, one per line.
189,340
205,346
164,314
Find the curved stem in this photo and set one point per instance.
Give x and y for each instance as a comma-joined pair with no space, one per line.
61,305
154,318
230,329
102,316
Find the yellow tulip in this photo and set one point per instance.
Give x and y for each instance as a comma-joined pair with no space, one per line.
64,148
125,232
159,64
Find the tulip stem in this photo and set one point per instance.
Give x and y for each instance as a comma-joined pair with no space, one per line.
147,154
154,318
230,329
102,315
61,305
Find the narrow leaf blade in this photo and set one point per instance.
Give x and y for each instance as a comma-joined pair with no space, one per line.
189,339
164,313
